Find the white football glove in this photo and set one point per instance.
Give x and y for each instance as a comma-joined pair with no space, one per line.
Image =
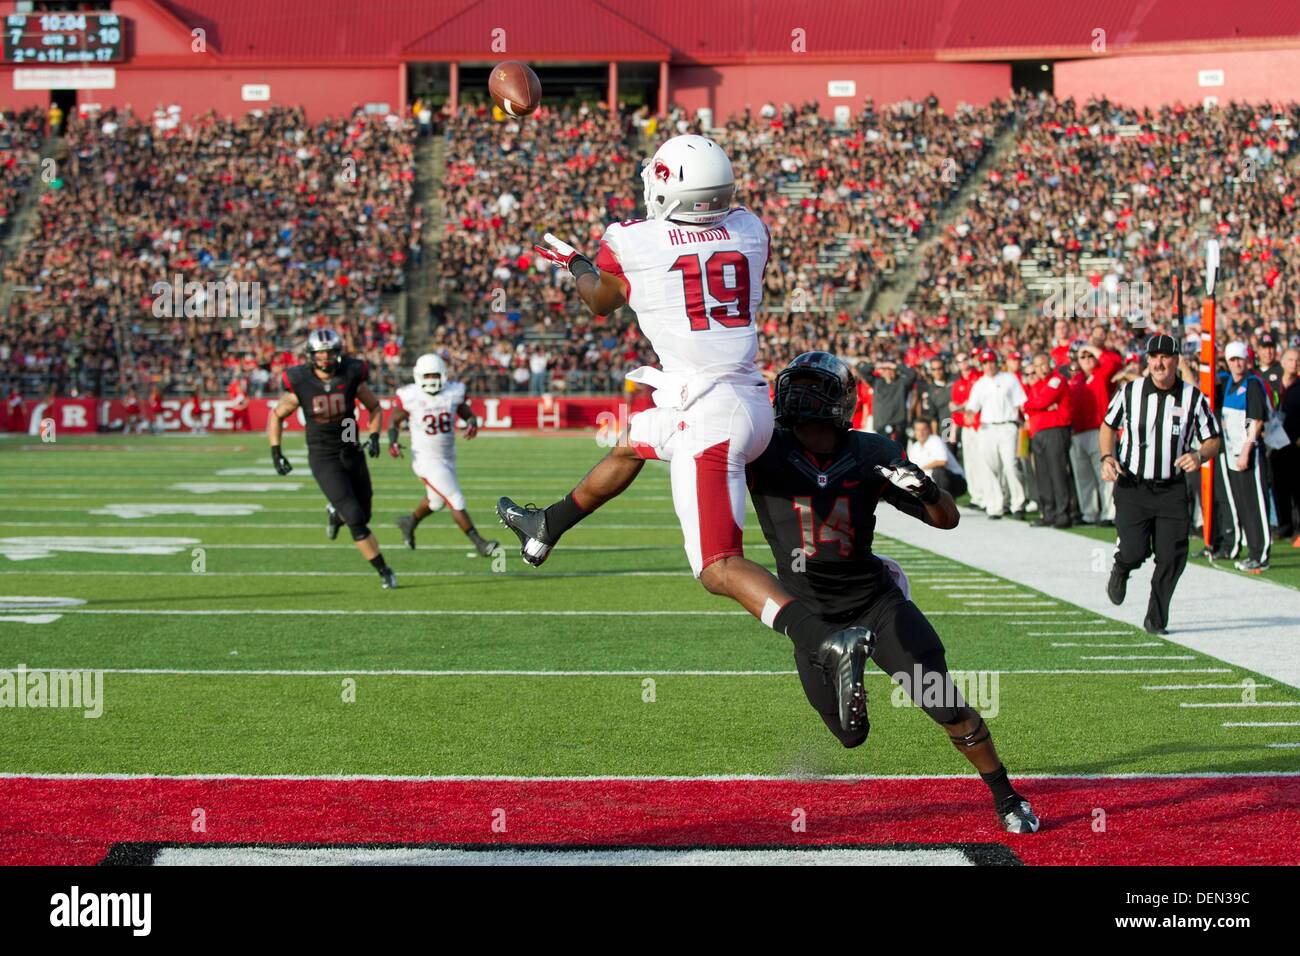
563,254
907,476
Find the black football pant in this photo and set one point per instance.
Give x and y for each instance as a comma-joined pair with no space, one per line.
345,480
1051,450
1241,510
908,649
1151,517
1285,464
949,481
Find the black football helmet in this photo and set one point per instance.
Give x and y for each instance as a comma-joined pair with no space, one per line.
324,342
826,392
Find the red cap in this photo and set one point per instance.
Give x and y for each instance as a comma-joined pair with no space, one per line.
988,355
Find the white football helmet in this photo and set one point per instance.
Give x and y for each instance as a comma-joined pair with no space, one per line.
689,180
430,373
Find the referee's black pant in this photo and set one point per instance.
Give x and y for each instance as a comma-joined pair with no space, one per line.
1151,517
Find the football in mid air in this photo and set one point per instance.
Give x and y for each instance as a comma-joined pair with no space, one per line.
515,88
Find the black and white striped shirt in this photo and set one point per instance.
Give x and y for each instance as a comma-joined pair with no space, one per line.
1158,426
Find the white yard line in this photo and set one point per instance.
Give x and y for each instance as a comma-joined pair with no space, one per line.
1261,723
1137,644
1086,634
1239,686
703,778
1246,621
1246,703
1137,657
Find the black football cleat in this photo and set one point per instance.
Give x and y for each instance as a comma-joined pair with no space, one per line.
406,524
389,579
1017,816
1152,628
487,548
334,522
843,660
528,522
1117,586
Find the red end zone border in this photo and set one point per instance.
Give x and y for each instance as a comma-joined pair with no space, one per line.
1246,820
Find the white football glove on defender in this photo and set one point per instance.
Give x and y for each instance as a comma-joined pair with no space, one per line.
907,476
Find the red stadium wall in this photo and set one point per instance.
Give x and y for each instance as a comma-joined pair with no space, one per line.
162,68
1259,76
729,89
80,416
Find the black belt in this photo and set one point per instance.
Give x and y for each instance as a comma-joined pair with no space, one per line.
1151,484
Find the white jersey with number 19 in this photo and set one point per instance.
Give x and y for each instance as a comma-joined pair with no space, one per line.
695,291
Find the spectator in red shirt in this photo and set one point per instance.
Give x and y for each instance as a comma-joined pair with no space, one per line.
1109,361
1047,409
1089,399
240,414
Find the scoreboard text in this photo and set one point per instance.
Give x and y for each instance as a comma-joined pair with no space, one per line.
64,38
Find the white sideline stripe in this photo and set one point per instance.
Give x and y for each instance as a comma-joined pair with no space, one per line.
350,574
703,778
1035,622
443,612
1261,723
1240,686
1246,703
644,672
1076,644
388,612
1247,622
1077,634
541,855
1137,657
1283,746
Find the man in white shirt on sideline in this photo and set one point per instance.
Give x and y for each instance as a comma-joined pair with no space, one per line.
935,458
998,397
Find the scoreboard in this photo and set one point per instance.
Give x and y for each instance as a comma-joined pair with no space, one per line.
55,39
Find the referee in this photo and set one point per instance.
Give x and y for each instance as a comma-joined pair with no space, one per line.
1158,417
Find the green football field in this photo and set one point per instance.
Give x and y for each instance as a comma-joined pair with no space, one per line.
243,642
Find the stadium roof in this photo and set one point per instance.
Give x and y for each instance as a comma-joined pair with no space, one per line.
721,31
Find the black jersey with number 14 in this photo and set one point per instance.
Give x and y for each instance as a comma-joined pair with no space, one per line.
818,514
327,405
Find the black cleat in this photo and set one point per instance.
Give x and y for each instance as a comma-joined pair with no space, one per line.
528,522
406,524
1153,628
1017,816
389,579
1117,586
487,548
843,660
334,523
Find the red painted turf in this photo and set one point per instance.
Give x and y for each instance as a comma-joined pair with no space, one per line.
1238,820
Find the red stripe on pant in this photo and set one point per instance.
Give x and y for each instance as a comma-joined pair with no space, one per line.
720,536
438,493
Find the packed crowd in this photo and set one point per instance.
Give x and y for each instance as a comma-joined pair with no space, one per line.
309,221
1143,189
21,134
